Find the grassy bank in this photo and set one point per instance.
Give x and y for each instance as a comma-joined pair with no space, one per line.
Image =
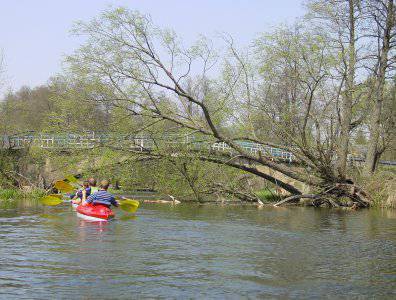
382,187
17,194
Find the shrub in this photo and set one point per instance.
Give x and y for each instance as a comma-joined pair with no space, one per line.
267,195
382,186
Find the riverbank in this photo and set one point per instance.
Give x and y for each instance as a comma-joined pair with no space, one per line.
17,194
382,188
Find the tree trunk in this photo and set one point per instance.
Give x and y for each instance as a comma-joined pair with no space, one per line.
373,151
347,100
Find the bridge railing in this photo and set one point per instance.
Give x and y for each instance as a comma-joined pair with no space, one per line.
142,143
255,148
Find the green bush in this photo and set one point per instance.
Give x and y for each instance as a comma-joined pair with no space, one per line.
10,194
267,195
381,187
16,194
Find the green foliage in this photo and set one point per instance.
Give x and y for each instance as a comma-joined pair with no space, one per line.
17,194
267,195
11,194
25,109
381,186
66,104
184,178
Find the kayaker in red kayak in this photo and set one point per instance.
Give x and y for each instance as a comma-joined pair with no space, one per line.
102,196
77,198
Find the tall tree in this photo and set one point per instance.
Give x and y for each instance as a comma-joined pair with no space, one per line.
341,21
382,18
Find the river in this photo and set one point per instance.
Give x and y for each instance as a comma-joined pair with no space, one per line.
192,251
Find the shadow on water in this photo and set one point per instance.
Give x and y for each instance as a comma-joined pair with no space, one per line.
197,251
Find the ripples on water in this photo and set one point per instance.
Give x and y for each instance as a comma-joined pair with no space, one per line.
191,251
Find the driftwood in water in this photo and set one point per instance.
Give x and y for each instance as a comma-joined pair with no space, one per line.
162,201
295,198
173,201
157,201
331,197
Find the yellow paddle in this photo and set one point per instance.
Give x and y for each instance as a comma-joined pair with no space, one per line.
128,205
51,200
71,178
64,186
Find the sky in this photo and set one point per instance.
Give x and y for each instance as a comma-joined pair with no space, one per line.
35,34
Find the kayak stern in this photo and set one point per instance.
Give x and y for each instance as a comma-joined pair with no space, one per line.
96,212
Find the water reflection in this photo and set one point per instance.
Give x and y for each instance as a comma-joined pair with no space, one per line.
127,217
50,216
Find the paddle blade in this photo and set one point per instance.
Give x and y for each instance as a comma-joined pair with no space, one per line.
50,201
60,196
129,205
64,186
71,178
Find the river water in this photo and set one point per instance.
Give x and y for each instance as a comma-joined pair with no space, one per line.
192,251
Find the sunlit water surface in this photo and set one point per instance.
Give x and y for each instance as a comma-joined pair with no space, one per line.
191,251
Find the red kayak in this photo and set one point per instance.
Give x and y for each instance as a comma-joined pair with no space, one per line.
97,212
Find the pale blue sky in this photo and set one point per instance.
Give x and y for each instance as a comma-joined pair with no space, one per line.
34,34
